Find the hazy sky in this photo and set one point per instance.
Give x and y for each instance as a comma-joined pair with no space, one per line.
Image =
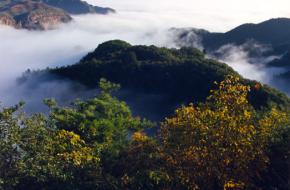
215,15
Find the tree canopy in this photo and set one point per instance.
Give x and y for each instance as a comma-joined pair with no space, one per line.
222,143
185,75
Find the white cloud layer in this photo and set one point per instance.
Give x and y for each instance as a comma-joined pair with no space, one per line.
21,49
214,15
138,22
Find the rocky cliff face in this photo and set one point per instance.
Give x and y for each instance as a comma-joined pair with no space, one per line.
31,15
7,20
45,20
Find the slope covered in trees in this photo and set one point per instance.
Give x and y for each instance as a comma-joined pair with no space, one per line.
273,32
185,75
97,144
260,41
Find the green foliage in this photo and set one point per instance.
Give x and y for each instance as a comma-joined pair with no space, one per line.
184,75
108,87
140,166
102,121
64,150
223,143
9,154
149,69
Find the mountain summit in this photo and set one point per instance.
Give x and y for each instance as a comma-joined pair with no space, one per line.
78,7
273,32
44,14
31,15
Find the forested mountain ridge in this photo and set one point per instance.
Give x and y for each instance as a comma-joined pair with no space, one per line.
273,32
216,140
185,74
271,37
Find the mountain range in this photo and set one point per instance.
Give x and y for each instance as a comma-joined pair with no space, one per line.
44,14
179,76
78,7
265,39
273,32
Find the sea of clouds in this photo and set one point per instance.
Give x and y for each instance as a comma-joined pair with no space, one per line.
138,22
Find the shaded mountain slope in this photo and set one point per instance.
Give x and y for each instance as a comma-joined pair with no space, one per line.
185,75
273,32
283,61
272,37
78,7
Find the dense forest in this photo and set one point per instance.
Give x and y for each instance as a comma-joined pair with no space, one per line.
227,132
185,74
79,112
222,143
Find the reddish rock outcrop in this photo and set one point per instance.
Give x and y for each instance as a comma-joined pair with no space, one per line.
32,15
7,20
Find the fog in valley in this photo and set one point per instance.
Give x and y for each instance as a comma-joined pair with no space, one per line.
143,22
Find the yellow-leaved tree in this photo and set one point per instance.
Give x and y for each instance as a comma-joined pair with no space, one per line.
221,143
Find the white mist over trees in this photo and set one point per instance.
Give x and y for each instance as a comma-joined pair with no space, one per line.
143,22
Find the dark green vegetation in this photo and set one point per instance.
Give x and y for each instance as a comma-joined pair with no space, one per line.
272,32
98,145
30,14
63,151
184,75
78,7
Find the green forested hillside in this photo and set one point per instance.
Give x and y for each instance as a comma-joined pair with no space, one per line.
271,35
220,141
186,75
97,144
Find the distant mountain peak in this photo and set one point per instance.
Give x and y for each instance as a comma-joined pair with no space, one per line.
277,20
31,15
44,14
274,32
268,23
78,7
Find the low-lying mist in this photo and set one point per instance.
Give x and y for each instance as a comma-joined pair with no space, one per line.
33,88
21,50
251,67
251,59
